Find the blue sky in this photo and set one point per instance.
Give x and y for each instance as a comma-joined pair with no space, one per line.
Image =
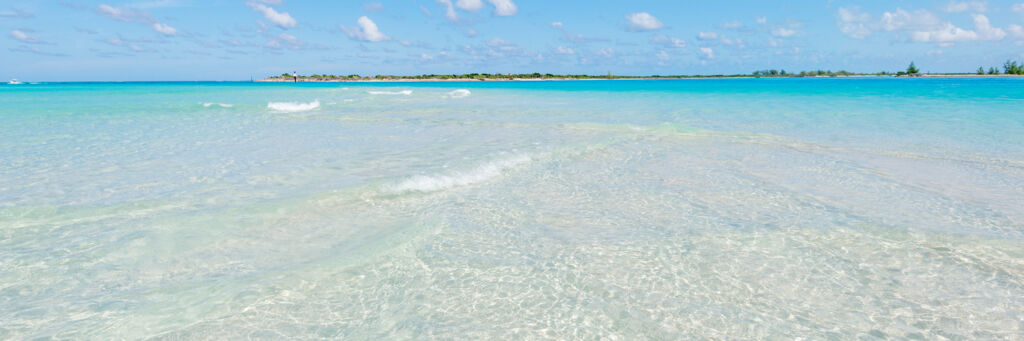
238,39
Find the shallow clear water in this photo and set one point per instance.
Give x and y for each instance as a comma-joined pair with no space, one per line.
818,208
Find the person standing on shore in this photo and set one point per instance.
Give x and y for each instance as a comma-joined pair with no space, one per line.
295,76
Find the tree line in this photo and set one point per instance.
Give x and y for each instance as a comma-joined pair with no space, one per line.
1009,68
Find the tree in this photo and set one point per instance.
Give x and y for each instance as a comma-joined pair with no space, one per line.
1012,68
981,70
993,71
912,69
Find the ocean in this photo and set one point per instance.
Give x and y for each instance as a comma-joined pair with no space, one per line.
818,208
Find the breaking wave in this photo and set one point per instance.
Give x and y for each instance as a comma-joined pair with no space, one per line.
460,93
437,182
222,105
293,106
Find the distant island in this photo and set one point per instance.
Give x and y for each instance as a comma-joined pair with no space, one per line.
1010,68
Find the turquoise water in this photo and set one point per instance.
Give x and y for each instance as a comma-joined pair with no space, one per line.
667,209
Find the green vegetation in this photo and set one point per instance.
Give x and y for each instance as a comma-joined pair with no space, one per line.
1010,68
912,70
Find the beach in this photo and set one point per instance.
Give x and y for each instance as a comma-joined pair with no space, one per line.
783,208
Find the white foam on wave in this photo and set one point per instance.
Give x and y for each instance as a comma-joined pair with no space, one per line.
403,92
433,183
293,106
222,105
460,93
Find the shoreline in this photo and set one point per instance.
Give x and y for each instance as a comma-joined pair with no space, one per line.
398,80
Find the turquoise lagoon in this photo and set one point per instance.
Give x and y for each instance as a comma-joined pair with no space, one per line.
635,209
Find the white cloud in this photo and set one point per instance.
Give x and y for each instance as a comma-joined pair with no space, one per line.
853,22
707,35
1016,31
166,30
126,15
783,32
919,26
663,56
606,52
564,50
556,24
373,6
497,42
948,34
281,19
707,52
449,9
643,21
23,37
668,41
975,6
469,5
367,31
918,20
504,8
762,20
1019,8
985,29
732,25
285,40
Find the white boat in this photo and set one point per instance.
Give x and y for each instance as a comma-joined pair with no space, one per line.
13,82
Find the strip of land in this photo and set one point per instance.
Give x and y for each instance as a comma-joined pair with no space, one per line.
549,77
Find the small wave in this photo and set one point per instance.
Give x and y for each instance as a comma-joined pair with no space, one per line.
403,92
293,106
222,105
433,183
460,93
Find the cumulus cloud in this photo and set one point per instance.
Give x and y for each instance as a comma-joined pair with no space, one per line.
449,9
1019,8
281,19
564,50
469,5
919,26
135,15
975,6
16,13
367,31
663,56
125,14
668,41
707,52
732,25
762,20
23,37
948,33
643,21
707,35
166,30
853,22
783,32
556,24
504,8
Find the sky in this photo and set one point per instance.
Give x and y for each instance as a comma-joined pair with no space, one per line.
140,40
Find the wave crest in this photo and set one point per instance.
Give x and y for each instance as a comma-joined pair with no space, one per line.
459,93
433,183
293,106
222,105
